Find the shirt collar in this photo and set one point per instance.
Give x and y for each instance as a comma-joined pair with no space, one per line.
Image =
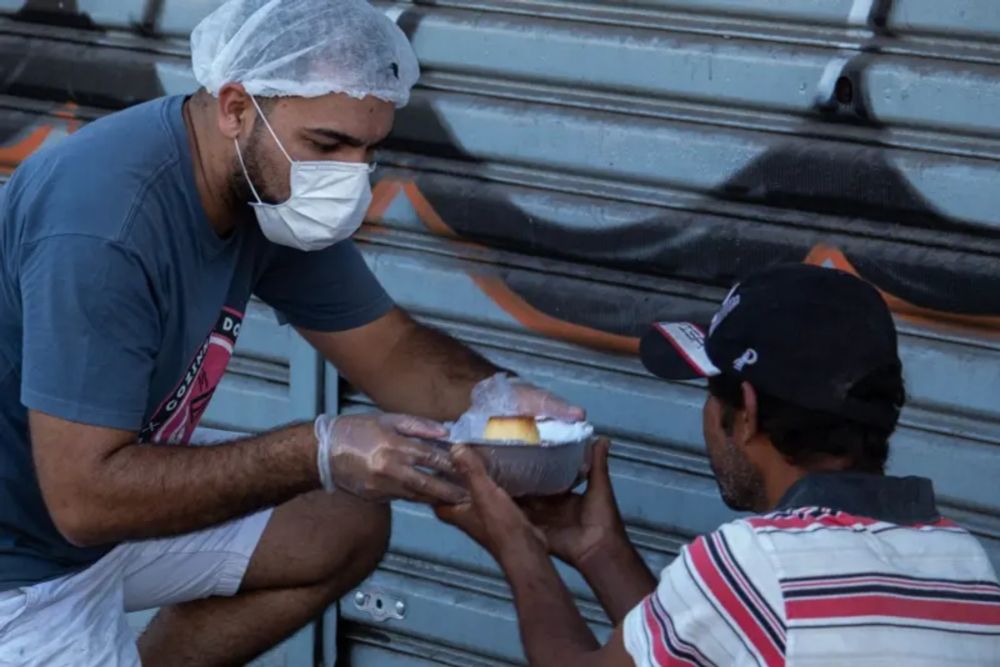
899,500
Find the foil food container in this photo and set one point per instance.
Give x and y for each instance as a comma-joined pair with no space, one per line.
557,465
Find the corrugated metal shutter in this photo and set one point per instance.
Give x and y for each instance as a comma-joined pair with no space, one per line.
612,163
568,171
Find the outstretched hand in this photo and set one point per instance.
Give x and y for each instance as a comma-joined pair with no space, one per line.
490,516
575,526
379,457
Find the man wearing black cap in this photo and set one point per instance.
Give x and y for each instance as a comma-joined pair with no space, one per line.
839,562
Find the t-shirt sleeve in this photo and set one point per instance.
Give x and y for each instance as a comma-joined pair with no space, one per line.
326,290
91,331
718,603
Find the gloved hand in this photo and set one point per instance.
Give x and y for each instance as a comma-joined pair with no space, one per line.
374,457
503,396
537,402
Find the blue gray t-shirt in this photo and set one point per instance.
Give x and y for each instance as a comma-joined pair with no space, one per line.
120,306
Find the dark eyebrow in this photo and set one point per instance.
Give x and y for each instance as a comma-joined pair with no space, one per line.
339,137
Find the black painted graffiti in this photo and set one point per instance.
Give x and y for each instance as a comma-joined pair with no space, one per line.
888,231
886,228
67,69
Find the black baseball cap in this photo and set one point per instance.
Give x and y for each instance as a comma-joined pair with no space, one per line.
804,334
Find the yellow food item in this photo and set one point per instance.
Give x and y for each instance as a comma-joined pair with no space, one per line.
520,429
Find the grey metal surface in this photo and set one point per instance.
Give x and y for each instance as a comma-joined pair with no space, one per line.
568,171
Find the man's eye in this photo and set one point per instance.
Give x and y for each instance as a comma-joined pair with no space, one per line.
325,148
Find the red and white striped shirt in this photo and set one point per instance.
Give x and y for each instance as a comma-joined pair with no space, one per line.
818,586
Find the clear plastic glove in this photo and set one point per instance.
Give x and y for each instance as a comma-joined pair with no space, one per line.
538,402
374,457
503,396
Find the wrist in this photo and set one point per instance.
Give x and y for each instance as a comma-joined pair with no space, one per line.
321,447
611,547
292,452
519,547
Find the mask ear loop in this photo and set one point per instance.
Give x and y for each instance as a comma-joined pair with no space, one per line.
371,165
246,174
239,153
260,114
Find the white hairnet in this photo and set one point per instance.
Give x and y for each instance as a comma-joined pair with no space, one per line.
304,48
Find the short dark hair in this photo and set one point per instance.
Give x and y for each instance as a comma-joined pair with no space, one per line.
805,436
267,104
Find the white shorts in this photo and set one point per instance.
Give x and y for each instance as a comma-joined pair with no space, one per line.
79,620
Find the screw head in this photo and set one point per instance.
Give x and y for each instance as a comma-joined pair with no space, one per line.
360,599
400,607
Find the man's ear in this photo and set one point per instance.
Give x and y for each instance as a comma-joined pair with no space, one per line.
236,111
748,416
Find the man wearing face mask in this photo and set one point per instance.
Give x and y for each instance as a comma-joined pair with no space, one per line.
130,251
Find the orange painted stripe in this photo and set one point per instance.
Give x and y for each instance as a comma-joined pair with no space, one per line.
824,255
513,304
383,194
426,212
19,152
68,113
537,321
11,156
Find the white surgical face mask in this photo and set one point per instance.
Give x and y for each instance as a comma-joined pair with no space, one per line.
327,204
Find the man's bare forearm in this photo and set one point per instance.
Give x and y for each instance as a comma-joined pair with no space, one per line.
619,577
145,491
553,631
405,366
433,374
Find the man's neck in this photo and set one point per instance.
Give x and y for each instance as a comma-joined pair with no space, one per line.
209,156
781,476
776,485
898,500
